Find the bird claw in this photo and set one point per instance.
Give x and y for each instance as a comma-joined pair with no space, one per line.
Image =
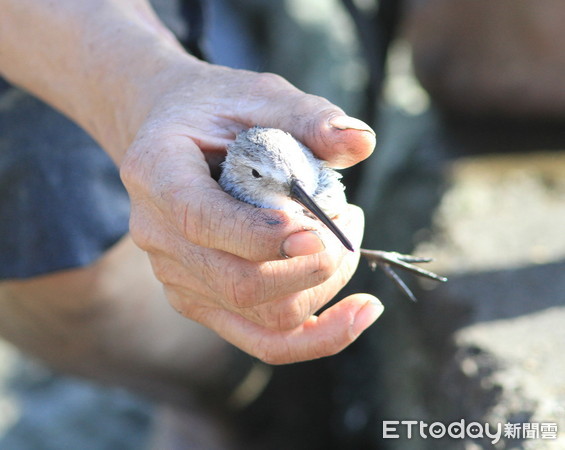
386,260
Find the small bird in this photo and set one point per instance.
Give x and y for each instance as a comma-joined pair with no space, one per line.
269,168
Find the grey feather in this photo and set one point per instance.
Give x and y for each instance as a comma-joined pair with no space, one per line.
268,168
261,162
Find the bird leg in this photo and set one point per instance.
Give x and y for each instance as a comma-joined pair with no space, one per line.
388,260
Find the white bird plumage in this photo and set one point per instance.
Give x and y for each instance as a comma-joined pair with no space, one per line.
262,162
269,168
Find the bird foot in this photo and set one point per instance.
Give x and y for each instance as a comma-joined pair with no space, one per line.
388,260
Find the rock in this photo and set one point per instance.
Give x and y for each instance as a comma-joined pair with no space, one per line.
484,347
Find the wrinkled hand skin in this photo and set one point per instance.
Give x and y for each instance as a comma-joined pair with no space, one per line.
112,67
221,261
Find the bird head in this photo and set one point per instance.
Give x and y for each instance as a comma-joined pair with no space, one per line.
268,168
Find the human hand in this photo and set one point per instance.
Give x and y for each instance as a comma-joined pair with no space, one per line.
113,68
221,261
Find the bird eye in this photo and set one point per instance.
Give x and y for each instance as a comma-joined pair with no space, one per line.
256,174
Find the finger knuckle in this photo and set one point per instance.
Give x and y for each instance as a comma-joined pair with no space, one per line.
146,232
245,289
198,215
281,315
289,317
176,301
132,170
324,269
128,173
139,232
163,271
179,303
268,82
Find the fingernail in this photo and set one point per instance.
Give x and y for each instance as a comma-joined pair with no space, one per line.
302,243
350,123
370,312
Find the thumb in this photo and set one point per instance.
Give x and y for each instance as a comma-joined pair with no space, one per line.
332,135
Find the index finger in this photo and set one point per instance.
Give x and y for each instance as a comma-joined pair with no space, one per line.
213,219
170,179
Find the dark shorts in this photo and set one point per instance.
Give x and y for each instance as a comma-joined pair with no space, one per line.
62,204
61,200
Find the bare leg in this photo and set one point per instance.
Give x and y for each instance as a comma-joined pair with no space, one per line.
387,260
110,321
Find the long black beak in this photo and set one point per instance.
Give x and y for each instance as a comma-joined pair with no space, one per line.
298,194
